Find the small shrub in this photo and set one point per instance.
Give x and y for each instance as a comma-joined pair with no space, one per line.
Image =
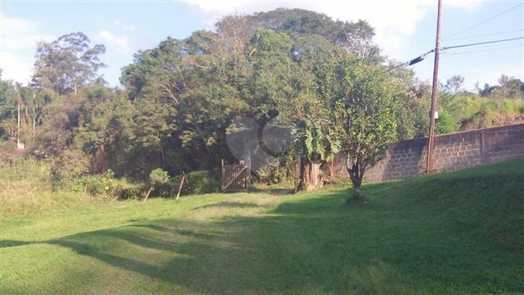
158,177
445,123
107,186
97,185
124,189
160,183
197,182
67,168
277,170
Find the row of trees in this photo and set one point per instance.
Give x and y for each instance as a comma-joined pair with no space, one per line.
323,81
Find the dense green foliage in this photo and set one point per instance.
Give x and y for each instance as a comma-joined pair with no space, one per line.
366,104
458,233
293,69
466,111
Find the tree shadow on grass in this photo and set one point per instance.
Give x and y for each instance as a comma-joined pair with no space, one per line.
11,243
304,246
277,191
228,204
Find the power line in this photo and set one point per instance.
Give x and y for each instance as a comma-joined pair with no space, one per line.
487,34
413,61
487,20
422,56
497,2
481,43
488,48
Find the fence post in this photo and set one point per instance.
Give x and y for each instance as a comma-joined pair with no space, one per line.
483,159
222,173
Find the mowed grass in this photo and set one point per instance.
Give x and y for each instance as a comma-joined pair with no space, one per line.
457,233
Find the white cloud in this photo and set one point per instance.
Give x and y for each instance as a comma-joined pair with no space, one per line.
18,41
15,67
394,21
113,42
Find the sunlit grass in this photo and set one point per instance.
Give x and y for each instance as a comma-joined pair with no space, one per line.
458,233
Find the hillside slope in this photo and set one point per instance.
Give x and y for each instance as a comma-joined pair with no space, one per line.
456,233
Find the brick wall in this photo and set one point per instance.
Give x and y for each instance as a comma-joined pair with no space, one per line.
452,152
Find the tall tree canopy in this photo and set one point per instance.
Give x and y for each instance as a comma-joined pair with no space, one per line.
67,63
252,66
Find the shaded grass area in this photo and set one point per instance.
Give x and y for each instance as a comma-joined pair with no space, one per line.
459,233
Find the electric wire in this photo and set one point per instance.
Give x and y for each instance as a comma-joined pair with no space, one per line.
485,49
482,43
487,20
474,36
446,48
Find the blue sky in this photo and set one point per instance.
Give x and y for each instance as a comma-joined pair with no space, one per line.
405,29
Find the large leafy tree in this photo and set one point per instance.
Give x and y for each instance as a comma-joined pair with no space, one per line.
355,37
184,94
194,75
365,105
105,127
56,102
257,66
310,114
67,64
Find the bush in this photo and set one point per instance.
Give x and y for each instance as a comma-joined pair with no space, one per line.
107,186
445,123
197,182
123,189
276,171
158,177
67,168
160,183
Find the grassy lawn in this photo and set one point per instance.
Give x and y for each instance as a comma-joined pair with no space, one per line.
458,233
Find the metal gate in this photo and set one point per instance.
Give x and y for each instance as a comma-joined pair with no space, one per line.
234,177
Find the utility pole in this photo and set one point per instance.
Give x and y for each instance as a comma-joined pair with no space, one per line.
17,116
18,125
434,94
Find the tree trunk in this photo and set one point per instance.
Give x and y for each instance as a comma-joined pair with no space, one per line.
357,191
300,171
356,174
101,161
310,173
33,128
313,176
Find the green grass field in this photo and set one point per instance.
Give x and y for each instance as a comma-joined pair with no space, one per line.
458,233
